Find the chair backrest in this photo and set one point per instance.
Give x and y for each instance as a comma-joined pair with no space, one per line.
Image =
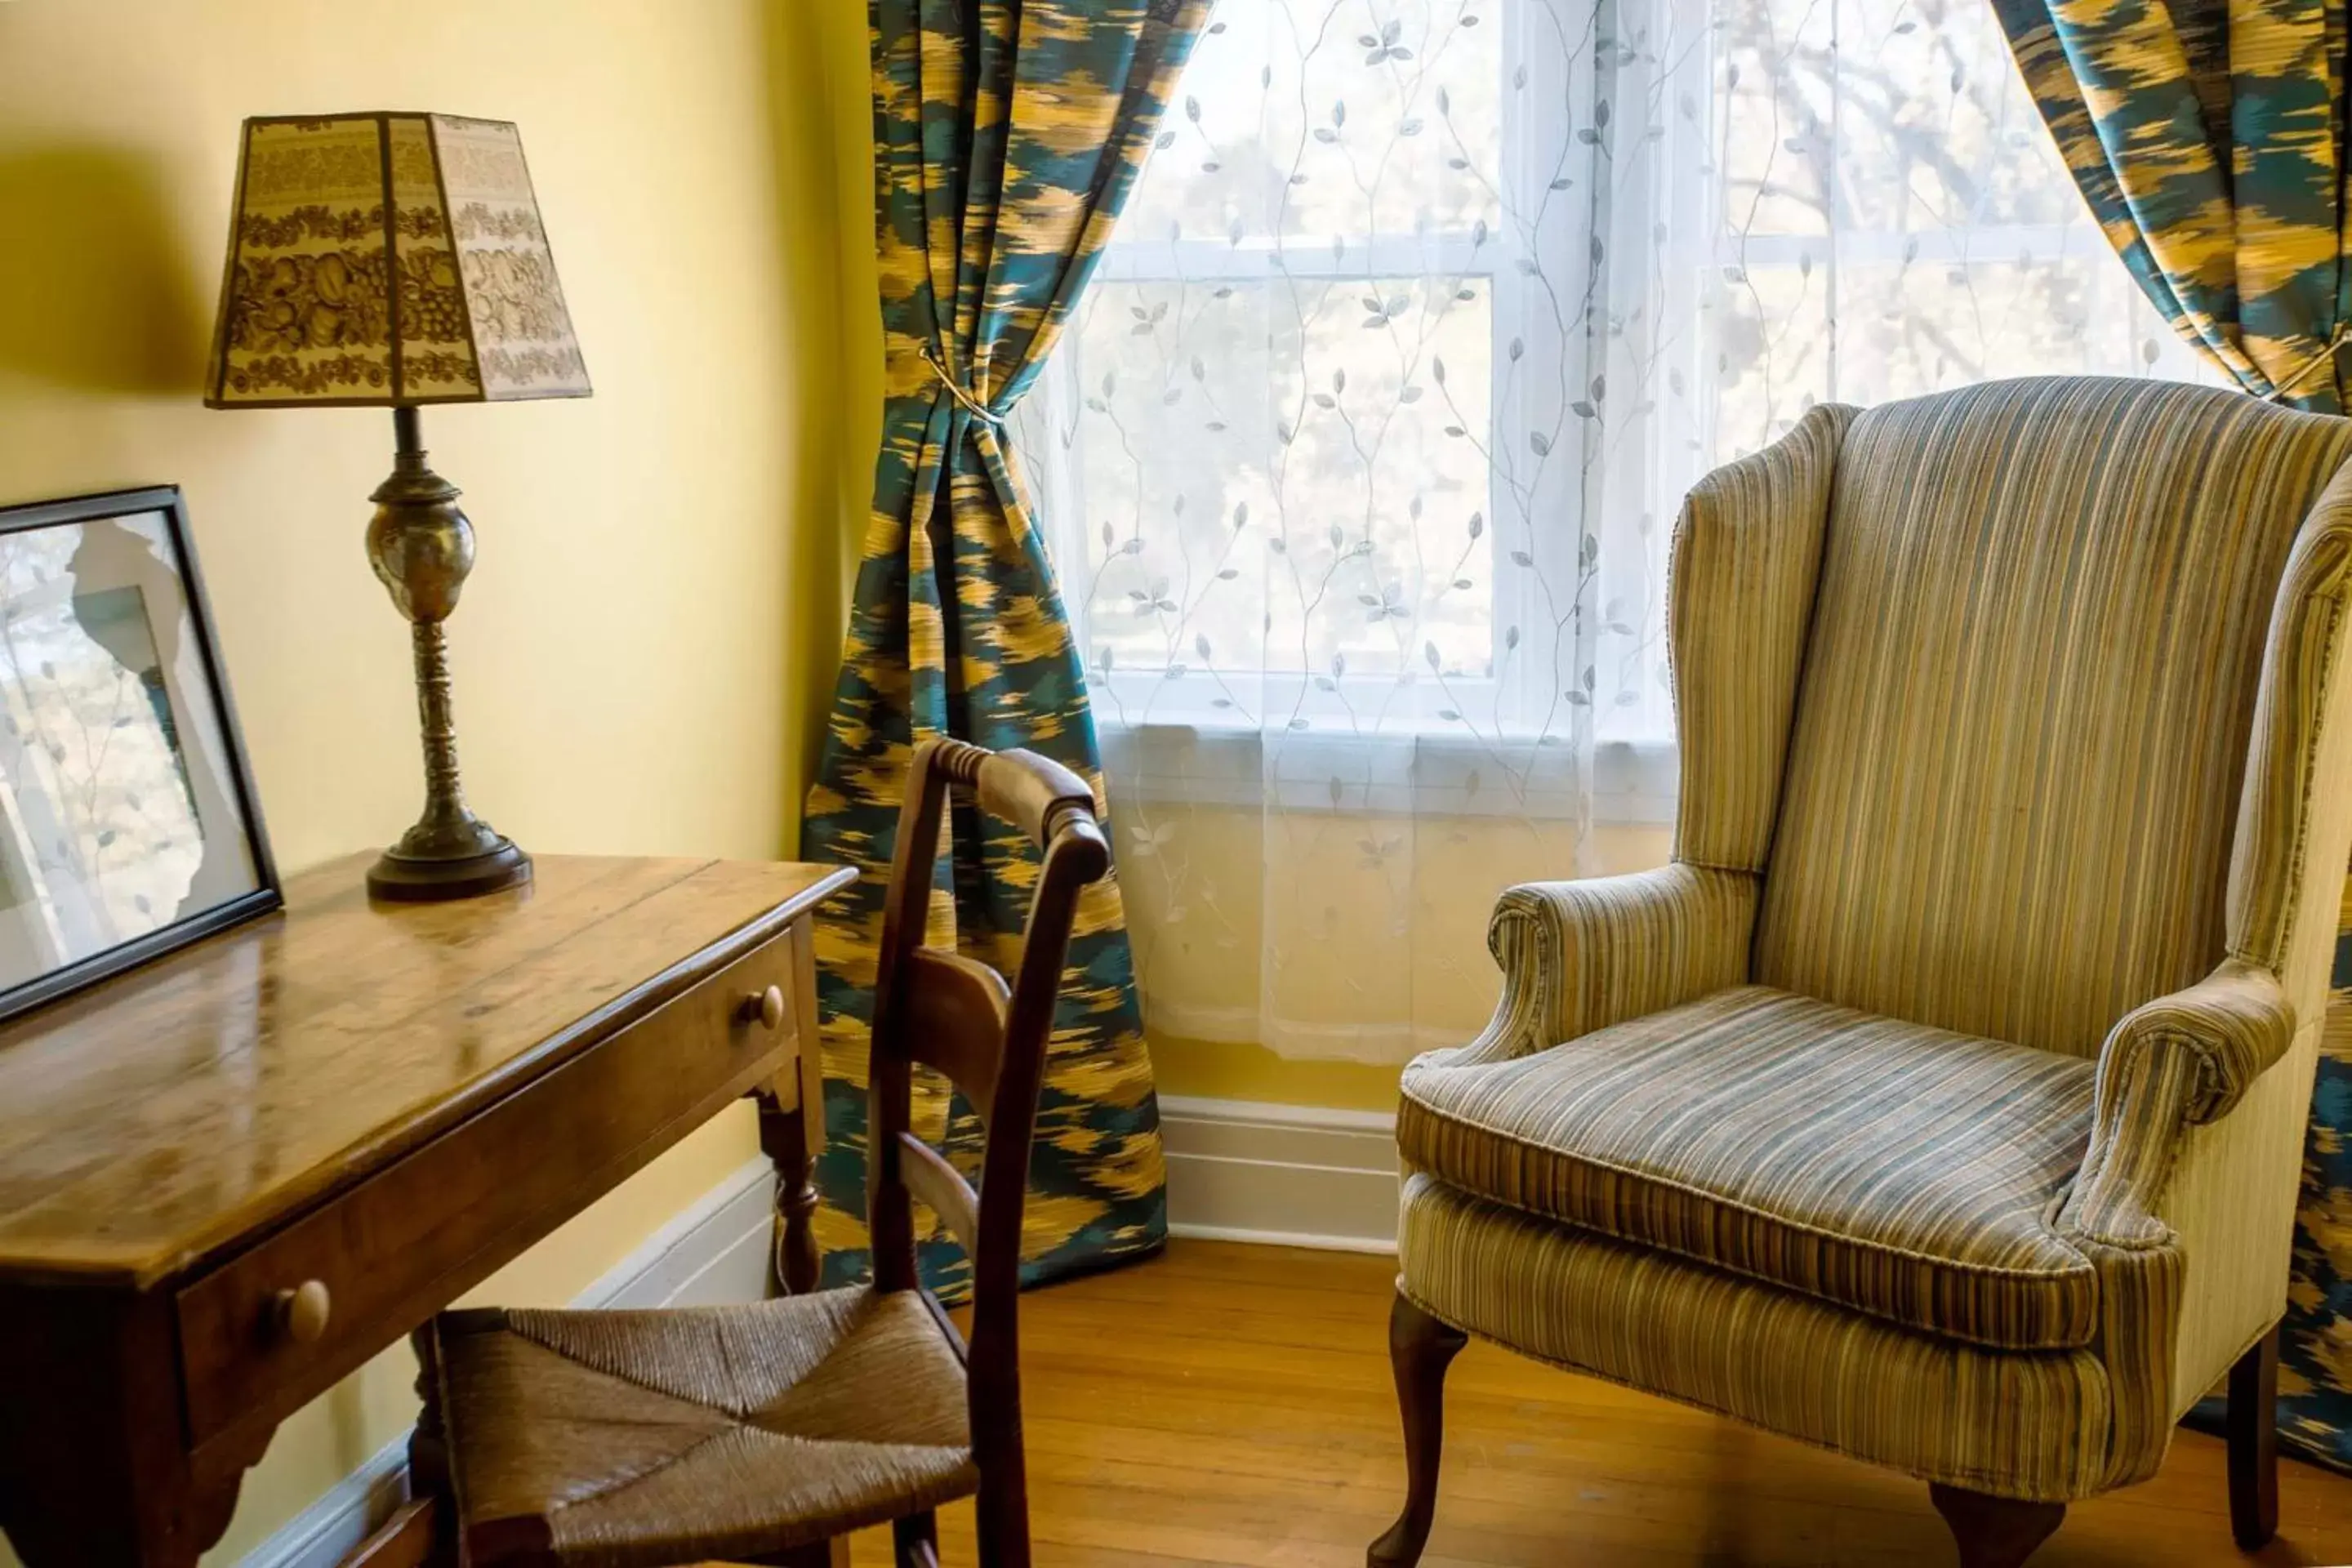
2022,723
956,1015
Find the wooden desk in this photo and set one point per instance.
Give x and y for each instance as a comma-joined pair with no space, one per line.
229,1178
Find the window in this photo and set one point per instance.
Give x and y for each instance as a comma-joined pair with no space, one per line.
1425,313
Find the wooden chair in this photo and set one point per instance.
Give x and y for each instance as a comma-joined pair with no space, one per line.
762,1433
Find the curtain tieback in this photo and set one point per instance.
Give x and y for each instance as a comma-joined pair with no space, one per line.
965,400
2302,373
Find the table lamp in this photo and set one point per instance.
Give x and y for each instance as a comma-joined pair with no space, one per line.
393,261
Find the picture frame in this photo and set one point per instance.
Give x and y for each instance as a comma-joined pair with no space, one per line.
130,826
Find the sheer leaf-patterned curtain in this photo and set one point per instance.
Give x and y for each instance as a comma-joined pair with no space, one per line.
1363,460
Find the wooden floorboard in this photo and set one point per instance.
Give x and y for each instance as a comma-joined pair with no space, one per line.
1230,1404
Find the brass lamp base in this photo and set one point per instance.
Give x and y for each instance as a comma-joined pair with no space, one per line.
402,880
422,547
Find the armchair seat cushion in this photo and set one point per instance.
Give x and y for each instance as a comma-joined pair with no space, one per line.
1900,1170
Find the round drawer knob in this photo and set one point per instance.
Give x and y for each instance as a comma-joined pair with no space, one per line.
302,1312
768,1006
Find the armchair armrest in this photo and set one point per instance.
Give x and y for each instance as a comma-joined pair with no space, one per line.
2179,1060
1578,956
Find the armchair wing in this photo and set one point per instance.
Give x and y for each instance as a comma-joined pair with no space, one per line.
1743,577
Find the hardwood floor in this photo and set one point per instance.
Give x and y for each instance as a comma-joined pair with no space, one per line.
1231,1405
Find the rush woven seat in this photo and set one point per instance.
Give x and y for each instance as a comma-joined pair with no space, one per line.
640,1439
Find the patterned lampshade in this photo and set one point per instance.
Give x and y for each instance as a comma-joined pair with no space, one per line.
388,259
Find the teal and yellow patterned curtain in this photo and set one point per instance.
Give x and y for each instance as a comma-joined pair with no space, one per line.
2207,137
1006,136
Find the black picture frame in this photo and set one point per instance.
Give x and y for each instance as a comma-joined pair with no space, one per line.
265,895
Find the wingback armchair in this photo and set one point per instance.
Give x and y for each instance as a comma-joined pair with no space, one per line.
1941,1103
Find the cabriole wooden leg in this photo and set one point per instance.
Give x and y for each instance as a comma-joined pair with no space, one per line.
1420,1350
1994,1532
2254,1444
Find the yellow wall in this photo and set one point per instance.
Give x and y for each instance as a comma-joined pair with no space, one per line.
652,560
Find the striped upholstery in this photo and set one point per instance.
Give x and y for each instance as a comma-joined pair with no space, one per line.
2294,805
1898,1169
1579,956
2238,1251
2166,1066
2015,1425
2022,739
1939,1104
1747,565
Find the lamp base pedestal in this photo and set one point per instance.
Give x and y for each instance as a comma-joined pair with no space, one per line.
398,879
422,547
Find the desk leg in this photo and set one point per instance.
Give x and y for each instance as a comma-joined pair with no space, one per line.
784,1137
791,1130
93,1473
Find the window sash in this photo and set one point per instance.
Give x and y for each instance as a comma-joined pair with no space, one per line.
1525,303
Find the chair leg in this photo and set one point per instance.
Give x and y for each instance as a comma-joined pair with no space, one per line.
1419,1348
833,1554
1994,1532
918,1540
428,1453
999,1513
2254,1444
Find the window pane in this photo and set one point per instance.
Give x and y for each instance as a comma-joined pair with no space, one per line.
1314,121
1271,483
1895,218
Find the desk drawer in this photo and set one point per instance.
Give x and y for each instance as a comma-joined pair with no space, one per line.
275,1325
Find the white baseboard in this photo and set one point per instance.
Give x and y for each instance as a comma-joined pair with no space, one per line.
714,1252
1280,1176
